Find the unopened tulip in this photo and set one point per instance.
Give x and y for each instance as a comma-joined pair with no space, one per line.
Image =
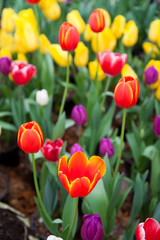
8,19
30,137
118,26
79,114
22,72
42,97
150,48
156,126
50,9
88,34
148,230
93,70
150,75
45,44
68,37
5,65
106,146
111,62
156,65
128,71
92,228
6,41
97,21
126,92
59,56
76,148
154,31
107,17
130,36
81,55
51,149
76,20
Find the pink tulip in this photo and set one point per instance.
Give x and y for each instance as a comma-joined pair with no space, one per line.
149,230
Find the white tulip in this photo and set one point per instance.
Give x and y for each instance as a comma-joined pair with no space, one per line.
51,237
42,97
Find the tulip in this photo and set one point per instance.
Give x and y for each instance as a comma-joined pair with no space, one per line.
118,26
126,92
5,53
93,68
150,75
79,114
106,146
130,36
6,41
8,19
5,65
51,149
150,48
79,176
92,228
22,72
107,17
97,21
128,71
75,18
154,31
68,37
51,9
30,137
111,62
156,125
59,56
76,148
106,39
157,93
45,44
148,230
42,97
32,1
156,65
88,34
51,237
81,55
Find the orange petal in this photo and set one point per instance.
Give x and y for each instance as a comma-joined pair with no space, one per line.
95,180
20,131
123,95
77,165
80,187
64,180
37,127
63,167
30,141
95,164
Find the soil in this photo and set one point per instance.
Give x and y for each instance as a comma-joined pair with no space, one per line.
21,194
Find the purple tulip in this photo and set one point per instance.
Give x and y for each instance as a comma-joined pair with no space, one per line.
106,146
92,228
5,64
150,75
76,148
156,126
79,114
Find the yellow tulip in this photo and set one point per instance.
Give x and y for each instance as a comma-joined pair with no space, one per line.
128,71
75,18
87,34
157,93
118,26
81,55
5,53
107,17
156,64
107,40
45,44
8,19
26,35
59,56
6,41
21,57
150,47
154,31
51,9
93,69
130,36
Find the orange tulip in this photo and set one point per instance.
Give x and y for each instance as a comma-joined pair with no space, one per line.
126,92
80,176
30,137
97,21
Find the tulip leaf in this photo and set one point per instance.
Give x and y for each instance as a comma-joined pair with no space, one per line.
129,233
155,174
8,126
5,114
59,128
92,101
156,214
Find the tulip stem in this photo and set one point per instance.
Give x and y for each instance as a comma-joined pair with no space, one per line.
105,91
37,190
73,220
121,142
66,88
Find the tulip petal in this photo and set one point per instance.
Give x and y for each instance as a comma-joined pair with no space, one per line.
150,227
95,165
64,180
30,141
116,65
77,165
140,233
63,167
20,131
80,187
95,180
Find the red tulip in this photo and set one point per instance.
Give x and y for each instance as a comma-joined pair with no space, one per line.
97,21
68,37
33,1
30,137
126,92
22,72
149,230
51,149
79,176
111,63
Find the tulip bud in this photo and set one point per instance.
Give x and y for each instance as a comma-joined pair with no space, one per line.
42,97
30,137
106,146
97,21
150,75
51,149
76,148
79,114
51,237
92,228
68,37
5,65
33,1
156,126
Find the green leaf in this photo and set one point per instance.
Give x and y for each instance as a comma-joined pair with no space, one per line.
129,233
122,198
69,123
155,174
59,128
8,126
156,214
5,114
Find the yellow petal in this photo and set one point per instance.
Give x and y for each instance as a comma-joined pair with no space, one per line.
130,36
4,52
154,31
150,47
88,34
128,71
93,68
6,41
7,19
59,56
76,20
107,17
118,26
51,9
81,55
45,43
